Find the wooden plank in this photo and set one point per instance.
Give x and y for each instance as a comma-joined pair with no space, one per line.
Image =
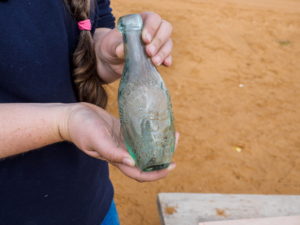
190,209
285,220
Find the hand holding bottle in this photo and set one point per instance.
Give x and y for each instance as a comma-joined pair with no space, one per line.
110,49
97,134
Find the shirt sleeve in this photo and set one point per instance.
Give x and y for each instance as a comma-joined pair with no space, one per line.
103,15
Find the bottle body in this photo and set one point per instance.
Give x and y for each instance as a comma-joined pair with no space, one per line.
144,105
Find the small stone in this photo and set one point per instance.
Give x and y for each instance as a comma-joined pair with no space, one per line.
238,149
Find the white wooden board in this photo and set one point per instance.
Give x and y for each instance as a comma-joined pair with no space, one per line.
191,209
285,220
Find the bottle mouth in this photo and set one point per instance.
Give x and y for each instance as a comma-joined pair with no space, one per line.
130,22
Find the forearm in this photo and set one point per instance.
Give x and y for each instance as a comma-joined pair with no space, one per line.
24,127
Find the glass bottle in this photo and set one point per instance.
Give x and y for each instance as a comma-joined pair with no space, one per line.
144,103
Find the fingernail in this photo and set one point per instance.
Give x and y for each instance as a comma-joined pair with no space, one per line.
151,50
168,62
128,161
157,60
147,37
171,167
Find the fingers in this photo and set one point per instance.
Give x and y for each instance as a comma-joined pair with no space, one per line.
152,22
103,137
161,37
163,54
115,156
168,61
113,153
141,176
156,35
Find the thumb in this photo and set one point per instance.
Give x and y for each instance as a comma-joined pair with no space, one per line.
109,149
120,51
117,155
112,46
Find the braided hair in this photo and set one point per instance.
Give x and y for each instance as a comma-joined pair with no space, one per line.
88,84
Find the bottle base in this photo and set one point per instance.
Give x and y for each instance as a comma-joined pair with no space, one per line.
156,167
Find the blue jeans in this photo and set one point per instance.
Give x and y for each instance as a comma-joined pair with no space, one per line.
111,217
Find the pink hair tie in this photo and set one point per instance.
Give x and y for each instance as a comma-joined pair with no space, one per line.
85,24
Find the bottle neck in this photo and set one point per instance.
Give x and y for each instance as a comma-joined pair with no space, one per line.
134,49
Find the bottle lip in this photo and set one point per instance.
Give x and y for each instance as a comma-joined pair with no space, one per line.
131,22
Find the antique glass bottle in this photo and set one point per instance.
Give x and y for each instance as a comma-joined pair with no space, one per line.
144,103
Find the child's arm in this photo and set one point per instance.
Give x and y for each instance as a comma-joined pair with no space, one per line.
25,127
29,126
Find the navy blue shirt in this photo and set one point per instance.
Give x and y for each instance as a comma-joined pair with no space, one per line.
57,184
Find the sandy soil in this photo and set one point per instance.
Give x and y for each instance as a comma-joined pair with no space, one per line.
235,87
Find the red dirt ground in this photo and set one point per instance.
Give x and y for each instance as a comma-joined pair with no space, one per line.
235,88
